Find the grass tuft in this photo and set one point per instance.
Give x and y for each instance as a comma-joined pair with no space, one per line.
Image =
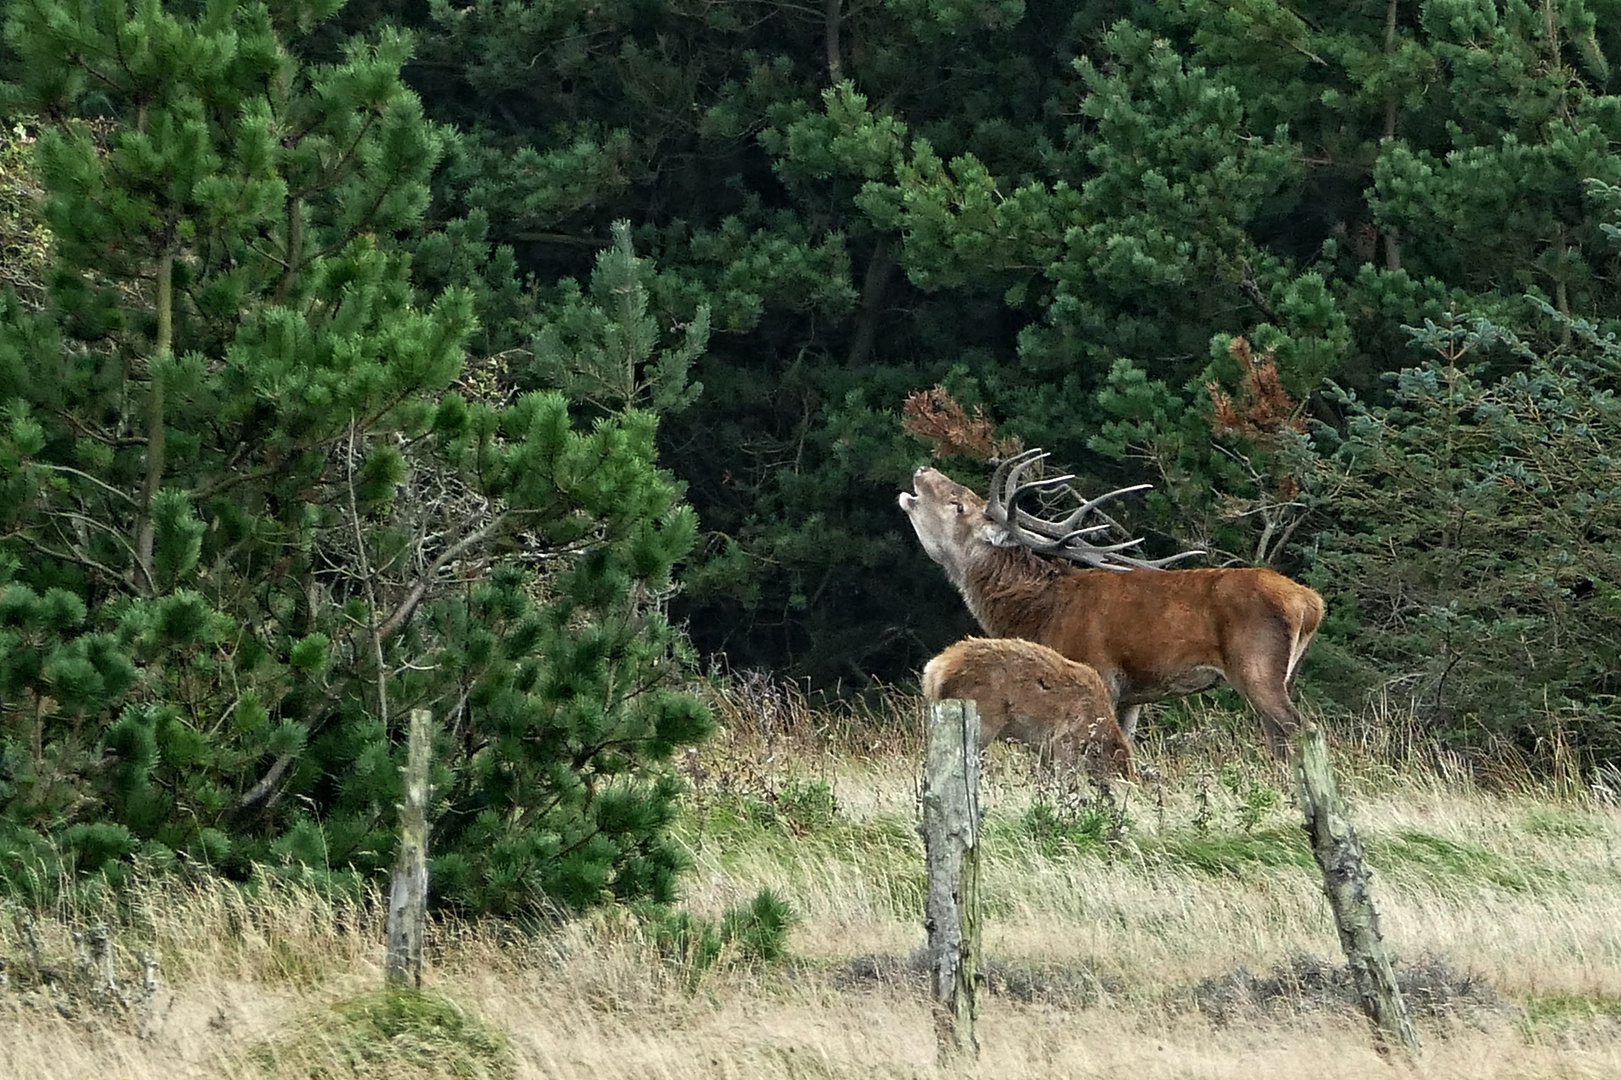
1447,859
1237,854
388,1033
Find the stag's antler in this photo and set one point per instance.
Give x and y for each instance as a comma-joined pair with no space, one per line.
1064,537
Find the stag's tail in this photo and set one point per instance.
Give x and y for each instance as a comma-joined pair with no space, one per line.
1307,616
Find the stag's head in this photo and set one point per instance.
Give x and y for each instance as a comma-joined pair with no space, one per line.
956,526
950,521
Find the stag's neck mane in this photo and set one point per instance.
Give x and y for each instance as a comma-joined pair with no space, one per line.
1012,591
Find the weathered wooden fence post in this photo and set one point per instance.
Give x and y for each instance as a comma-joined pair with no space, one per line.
408,892
951,853
1345,881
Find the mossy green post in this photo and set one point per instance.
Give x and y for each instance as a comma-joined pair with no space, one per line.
951,851
1345,881
408,894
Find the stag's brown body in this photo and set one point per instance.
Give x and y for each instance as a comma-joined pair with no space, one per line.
1149,633
1027,693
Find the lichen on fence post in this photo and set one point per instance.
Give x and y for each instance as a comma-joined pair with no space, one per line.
1345,882
408,892
951,852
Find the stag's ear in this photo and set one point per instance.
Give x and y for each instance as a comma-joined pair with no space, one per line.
996,534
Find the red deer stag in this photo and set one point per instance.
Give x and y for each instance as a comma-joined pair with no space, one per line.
1150,633
1027,693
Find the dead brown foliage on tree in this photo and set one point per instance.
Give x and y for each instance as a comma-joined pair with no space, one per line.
938,418
1261,408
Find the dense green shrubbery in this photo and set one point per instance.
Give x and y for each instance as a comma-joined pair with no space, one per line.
250,520
1475,554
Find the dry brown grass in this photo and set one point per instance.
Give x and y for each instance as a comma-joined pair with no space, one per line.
1172,949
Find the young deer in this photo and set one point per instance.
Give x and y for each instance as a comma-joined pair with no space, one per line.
1027,693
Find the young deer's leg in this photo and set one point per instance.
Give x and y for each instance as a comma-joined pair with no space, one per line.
1128,718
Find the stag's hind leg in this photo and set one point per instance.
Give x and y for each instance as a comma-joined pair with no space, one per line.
1261,676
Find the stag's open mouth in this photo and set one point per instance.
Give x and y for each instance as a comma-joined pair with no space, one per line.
906,499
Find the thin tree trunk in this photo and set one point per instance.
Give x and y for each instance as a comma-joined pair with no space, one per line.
295,248
145,530
879,269
1345,882
951,854
373,614
1392,244
1561,293
835,59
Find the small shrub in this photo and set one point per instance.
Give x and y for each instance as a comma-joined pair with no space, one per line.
390,1033
806,804
1058,830
756,932
799,805
760,930
1256,798
688,942
1070,815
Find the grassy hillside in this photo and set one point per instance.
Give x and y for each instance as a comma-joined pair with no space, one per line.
1173,930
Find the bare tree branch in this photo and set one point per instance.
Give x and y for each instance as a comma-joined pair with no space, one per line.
371,585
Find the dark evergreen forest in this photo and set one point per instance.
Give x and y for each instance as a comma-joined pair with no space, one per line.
526,359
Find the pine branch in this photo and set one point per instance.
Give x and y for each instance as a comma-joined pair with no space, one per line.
260,791
106,438
113,576
424,582
86,520
70,471
392,625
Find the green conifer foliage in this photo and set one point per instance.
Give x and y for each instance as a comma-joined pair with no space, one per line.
1475,543
609,357
250,521
736,144
1530,127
